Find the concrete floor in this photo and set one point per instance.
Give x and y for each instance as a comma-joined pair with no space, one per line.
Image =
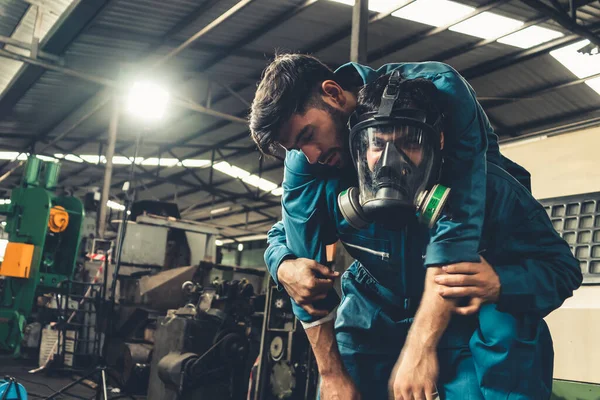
42,385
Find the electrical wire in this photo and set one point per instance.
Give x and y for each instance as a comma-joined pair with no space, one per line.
32,394
120,396
36,383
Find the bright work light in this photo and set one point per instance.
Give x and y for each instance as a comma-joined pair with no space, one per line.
147,100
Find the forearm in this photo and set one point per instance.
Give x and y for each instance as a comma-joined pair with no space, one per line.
324,345
432,317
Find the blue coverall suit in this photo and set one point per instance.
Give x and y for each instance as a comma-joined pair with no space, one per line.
504,352
385,309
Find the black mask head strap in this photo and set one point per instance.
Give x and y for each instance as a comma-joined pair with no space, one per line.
390,95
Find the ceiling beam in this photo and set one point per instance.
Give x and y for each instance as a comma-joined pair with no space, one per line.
505,61
231,213
257,222
563,20
64,31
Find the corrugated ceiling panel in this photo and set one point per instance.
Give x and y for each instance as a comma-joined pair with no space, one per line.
531,74
555,103
480,55
253,16
52,96
11,12
306,28
151,17
243,68
422,50
12,144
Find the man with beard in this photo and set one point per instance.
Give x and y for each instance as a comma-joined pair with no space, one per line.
301,104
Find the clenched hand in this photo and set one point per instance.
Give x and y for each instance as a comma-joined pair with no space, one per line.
415,374
306,281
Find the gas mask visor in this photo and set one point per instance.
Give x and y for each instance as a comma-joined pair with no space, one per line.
397,157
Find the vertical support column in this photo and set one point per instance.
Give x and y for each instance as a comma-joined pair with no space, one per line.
260,171
360,24
37,28
212,162
100,152
158,166
209,95
110,151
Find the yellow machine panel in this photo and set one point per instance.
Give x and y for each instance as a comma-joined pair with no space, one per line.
17,260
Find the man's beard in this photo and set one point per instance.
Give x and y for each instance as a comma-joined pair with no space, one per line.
340,125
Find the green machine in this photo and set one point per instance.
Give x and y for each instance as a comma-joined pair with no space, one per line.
44,232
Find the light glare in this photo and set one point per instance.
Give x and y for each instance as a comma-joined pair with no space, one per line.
433,12
530,37
147,100
487,25
115,206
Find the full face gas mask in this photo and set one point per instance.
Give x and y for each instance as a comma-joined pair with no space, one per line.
396,151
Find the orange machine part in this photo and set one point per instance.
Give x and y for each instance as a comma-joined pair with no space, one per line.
59,219
17,260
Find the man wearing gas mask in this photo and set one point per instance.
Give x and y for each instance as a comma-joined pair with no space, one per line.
383,289
396,150
397,147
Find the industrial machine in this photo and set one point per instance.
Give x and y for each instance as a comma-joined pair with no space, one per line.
156,237
201,350
287,368
43,242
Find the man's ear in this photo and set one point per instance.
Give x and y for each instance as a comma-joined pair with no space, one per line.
333,93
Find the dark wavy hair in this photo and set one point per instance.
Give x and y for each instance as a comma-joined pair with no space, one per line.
291,84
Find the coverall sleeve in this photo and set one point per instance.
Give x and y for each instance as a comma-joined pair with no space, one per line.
545,274
277,250
455,237
306,223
